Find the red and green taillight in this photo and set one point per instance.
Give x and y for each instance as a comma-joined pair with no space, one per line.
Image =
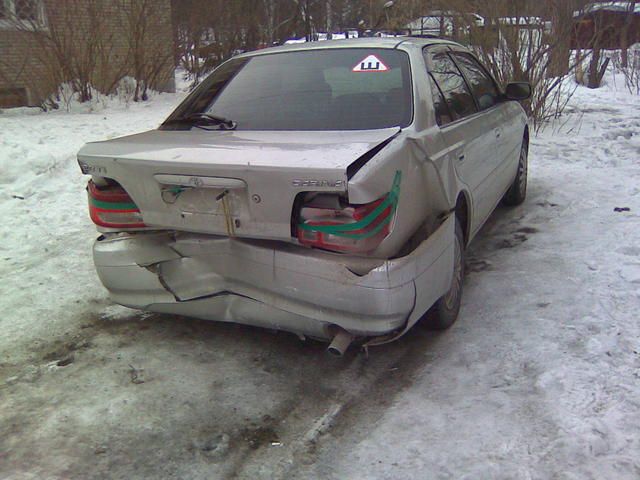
111,206
348,228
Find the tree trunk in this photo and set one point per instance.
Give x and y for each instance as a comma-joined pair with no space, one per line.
624,34
270,13
562,21
307,22
594,70
594,65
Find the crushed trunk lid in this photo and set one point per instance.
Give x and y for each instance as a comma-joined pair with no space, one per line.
229,182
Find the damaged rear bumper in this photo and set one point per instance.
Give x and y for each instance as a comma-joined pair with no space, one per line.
274,285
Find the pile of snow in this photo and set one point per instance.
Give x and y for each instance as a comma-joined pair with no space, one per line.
35,143
45,237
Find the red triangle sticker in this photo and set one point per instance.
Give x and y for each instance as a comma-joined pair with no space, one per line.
370,64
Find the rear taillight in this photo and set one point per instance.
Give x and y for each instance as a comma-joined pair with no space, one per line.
110,206
347,228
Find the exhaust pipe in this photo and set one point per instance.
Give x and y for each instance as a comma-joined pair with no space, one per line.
340,343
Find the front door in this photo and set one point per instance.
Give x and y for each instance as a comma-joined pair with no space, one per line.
470,134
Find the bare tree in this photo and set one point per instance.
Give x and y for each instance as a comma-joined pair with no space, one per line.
521,39
148,55
525,40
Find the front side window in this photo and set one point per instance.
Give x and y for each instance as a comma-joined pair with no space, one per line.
452,85
329,89
482,85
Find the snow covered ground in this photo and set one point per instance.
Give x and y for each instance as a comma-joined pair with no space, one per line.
46,235
539,378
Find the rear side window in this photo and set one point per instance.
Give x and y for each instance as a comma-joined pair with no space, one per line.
452,85
443,115
482,85
328,89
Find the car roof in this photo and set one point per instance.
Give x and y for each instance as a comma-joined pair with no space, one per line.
362,42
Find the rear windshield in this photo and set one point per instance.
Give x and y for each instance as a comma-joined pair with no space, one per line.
333,89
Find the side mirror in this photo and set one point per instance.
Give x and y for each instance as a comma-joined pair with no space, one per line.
518,91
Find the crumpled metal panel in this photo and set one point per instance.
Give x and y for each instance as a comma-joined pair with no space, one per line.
139,249
305,290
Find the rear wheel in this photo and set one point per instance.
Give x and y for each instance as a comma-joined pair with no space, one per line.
444,312
518,190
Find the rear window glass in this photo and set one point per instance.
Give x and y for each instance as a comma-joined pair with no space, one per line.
333,89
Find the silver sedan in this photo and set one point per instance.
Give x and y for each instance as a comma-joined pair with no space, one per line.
328,189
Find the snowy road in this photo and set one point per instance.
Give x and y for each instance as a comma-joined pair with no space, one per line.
540,377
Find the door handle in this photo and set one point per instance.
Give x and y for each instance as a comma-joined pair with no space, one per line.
461,157
498,132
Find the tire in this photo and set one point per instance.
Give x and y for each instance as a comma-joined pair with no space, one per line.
445,311
518,190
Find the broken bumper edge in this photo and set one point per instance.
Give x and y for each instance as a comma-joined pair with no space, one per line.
255,283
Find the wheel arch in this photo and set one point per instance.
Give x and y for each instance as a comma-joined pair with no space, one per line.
463,214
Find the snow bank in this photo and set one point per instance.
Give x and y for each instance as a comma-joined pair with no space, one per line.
45,237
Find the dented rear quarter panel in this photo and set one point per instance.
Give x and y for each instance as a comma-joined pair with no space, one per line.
430,184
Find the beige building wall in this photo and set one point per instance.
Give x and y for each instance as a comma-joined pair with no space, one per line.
103,37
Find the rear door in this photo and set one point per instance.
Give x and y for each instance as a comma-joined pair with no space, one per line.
496,113
468,133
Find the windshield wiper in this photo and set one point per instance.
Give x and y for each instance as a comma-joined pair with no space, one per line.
204,120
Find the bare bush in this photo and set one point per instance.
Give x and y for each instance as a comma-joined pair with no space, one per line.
92,45
71,46
148,56
629,67
209,32
527,40
626,31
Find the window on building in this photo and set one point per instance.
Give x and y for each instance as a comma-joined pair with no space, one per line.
15,13
13,97
26,10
